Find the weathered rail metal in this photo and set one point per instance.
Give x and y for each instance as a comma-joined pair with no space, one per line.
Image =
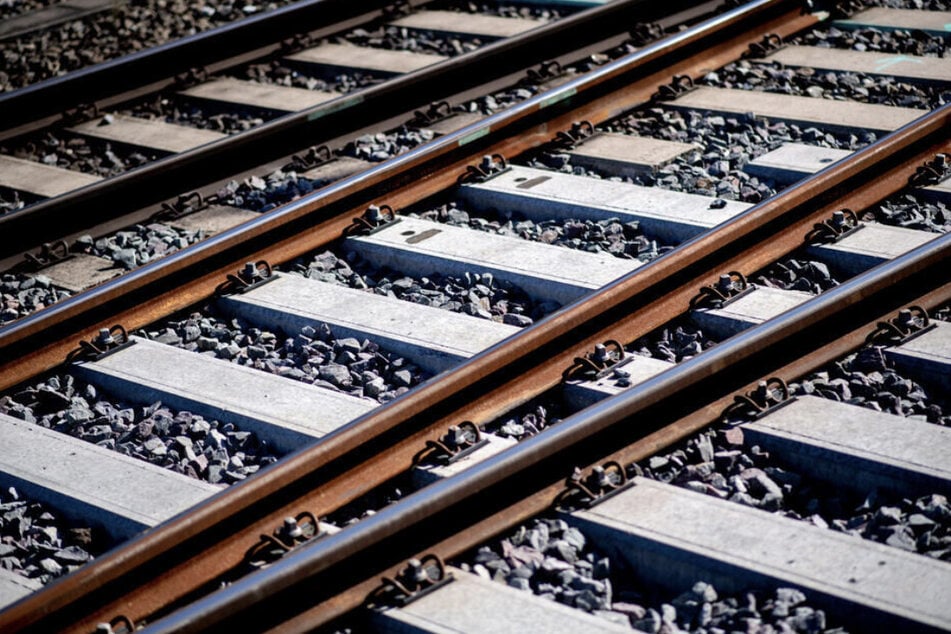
320,478
52,219
323,579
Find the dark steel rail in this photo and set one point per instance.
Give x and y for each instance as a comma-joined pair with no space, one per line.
51,219
322,579
162,63
41,341
193,549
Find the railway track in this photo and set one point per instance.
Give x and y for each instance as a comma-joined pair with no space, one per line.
822,278
132,156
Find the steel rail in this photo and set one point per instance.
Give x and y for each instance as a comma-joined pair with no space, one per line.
52,218
319,581
40,341
189,536
129,73
368,469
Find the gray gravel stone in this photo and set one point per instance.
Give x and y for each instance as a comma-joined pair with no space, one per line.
180,441
313,355
37,543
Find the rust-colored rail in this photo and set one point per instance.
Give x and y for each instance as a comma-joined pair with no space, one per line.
319,581
54,218
192,550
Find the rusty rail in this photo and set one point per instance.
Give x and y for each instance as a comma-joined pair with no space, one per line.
318,582
73,211
194,549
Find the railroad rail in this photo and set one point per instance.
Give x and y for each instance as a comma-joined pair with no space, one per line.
328,119
190,555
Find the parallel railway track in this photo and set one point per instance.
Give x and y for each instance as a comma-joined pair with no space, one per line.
166,578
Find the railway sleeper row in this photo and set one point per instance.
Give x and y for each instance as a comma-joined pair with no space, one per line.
428,230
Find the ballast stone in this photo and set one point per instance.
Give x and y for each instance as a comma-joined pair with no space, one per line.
286,413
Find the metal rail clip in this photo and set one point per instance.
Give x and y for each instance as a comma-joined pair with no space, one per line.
846,9
416,580
374,218
601,483
437,111
295,43
910,322
842,223
458,442
185,204
729,288
315,156
643,33
545,72
767,397
580,132
191,77
293,532
108,341
931,173
679,85
253,274
119,625
604,359
81,112
48,255
770,43
489,167
398,9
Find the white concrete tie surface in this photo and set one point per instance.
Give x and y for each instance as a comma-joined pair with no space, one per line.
81,480
542,195
673,537
472,605
544,271
284,412
433,338
147,133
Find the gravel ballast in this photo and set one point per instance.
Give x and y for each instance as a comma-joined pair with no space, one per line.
37,543
313,355
180,441
555,561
